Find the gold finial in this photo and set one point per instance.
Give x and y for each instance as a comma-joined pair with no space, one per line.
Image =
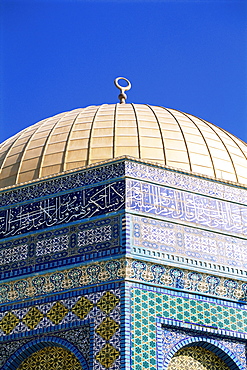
122,96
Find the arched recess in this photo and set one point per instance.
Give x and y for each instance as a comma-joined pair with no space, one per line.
35,345
210,344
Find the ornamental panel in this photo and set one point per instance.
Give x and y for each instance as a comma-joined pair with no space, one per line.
186,207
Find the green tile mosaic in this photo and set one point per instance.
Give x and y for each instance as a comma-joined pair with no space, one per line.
146,306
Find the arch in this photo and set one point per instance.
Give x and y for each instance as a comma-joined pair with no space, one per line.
33,346
211,345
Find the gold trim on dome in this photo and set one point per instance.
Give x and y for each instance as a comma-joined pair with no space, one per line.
98,134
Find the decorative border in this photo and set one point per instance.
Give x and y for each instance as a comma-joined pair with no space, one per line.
59,183
55,315
186,280
124,167
189,208
175,336
89,274
63,209
129,269
190,182
153,238
61,247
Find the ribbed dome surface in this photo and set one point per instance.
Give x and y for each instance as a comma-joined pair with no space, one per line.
97,133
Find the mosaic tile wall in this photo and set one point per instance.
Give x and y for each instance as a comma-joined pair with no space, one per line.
117,169
171,238
172,337
51,266
150,304
62,280
57,210
119,269
176,179
74,180
64,316
51,358
60,247
186,207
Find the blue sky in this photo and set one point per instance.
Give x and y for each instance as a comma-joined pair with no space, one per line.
58,55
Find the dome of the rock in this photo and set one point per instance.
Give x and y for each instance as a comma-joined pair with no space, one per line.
94,134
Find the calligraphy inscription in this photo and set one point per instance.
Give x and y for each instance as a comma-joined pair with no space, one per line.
188,207
64,183
66,208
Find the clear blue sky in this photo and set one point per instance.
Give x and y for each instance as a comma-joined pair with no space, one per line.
59,55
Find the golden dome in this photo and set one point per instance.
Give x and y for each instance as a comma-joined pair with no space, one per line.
97,133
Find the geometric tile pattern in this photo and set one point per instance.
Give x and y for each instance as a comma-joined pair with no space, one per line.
196,358
104,271
8,323
79,337
186,241
52,358
107,328
102,307
39,252
82,307
14,254
33,317
107,302
107,355
147,305
57,313
171,337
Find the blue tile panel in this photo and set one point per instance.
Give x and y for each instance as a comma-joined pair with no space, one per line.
59,184
189,208
59,247
88,319
117,169
180,180
224,323
171,238
66,208
174,337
